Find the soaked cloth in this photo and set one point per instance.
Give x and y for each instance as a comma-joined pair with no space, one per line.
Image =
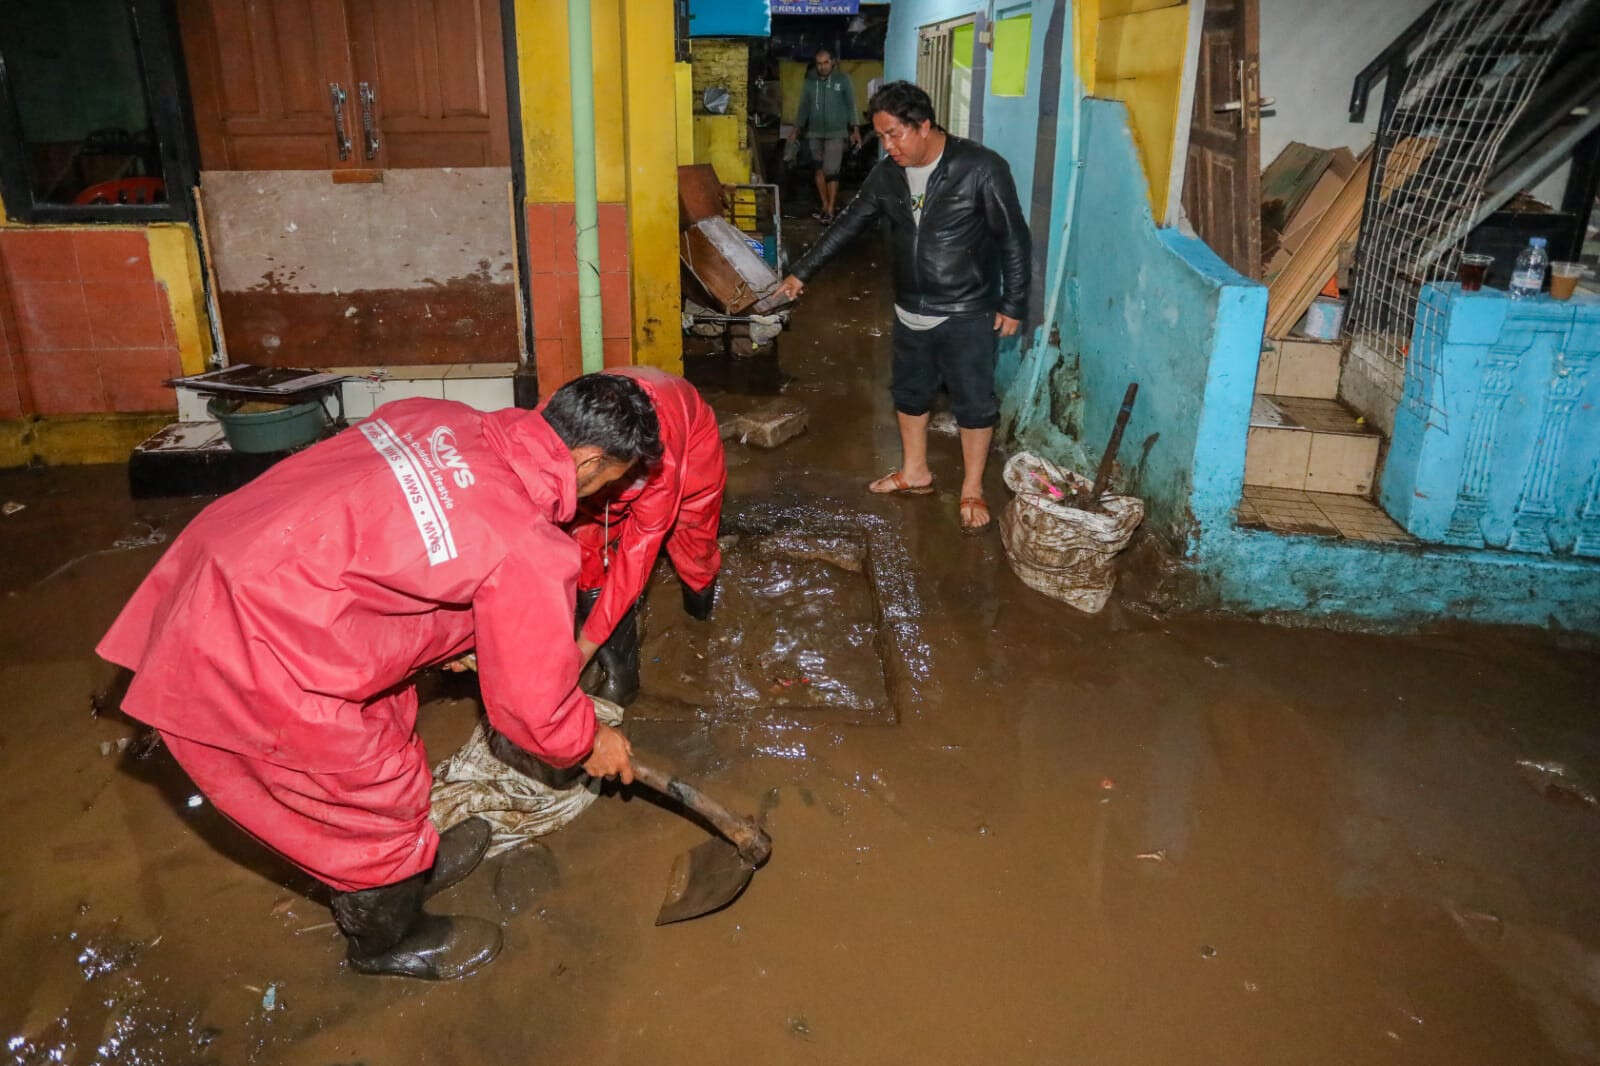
353,829
518,806
678,506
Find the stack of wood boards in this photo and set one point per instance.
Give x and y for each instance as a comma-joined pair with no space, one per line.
1291,291
1296,191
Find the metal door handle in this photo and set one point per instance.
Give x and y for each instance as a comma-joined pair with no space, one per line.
369,126
340,137
1234,105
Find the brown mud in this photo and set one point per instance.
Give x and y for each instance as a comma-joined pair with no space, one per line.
1132,838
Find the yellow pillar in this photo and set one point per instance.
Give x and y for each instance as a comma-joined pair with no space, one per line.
652,186
175,261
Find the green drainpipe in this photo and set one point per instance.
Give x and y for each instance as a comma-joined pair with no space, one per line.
586,211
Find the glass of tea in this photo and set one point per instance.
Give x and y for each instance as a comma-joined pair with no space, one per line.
1564,278
1473,269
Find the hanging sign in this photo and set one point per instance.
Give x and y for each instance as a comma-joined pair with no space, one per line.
816,7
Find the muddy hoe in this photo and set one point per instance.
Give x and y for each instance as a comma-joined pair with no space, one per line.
711,875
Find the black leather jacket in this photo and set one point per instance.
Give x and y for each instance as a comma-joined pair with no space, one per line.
970,253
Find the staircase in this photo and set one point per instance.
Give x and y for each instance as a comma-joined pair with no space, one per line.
1311,461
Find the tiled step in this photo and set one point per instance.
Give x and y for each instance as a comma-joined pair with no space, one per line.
1299,368
1322,514
1309,445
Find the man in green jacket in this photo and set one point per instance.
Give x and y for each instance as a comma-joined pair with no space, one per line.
827,115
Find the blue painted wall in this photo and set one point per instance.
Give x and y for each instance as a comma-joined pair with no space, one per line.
1149,306
1010,123
1511,384
729,18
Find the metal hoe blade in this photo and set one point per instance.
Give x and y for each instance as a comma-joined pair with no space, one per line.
705,878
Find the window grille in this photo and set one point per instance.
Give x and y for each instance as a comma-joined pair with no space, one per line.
1470,78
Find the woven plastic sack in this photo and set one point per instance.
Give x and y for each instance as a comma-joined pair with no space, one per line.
520,797
1062,551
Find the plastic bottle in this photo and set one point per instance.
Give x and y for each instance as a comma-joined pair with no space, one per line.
1528,276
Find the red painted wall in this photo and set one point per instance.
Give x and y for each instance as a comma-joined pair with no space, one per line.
553,291
87,326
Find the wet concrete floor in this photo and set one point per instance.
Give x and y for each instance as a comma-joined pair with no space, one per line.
1131,838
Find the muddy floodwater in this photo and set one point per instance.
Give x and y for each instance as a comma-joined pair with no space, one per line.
1004,832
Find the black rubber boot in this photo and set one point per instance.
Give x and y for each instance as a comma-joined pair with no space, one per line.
619,658
613,673
697,605
461,848
390,935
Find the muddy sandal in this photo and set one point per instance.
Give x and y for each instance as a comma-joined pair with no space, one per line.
901,487
978,507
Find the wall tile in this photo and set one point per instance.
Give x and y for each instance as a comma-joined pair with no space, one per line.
616,316
546,300
618,351
613,237
541,239
567,287
39,255
564,234
550,359
51,315
66,382
125,314
132,378
113,255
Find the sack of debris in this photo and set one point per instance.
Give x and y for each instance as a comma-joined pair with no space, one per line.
1063,551
520,797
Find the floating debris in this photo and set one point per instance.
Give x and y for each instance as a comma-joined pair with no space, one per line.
269,998
1159,855
1207,951
194,801
11,507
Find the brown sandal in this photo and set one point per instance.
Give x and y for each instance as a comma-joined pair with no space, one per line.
979,508
901,486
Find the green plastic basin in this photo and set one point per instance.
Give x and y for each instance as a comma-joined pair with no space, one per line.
280,430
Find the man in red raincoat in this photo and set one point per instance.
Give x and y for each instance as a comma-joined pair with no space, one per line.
677,504
273,644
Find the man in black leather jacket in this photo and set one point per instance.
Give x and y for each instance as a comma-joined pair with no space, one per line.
961,264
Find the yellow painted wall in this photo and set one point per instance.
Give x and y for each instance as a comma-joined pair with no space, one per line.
683,104
1138,58
547,99
175,261
652,189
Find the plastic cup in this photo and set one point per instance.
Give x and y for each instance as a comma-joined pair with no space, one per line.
1473,269
1564,278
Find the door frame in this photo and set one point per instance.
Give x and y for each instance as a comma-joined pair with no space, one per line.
945,29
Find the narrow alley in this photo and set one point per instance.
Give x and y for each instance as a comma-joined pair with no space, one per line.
1155,838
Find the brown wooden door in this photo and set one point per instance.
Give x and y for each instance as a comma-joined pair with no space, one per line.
1222,180
261,74
430,83
398,249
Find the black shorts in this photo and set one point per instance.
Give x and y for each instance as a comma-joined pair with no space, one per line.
960,354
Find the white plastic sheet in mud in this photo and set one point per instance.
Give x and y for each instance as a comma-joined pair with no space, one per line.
517,805
1064,552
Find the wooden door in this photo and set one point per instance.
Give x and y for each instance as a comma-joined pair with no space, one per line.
430,83
1222,182
377,234
264,76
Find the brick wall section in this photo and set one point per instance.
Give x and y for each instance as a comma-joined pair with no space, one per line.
92,324
553,291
